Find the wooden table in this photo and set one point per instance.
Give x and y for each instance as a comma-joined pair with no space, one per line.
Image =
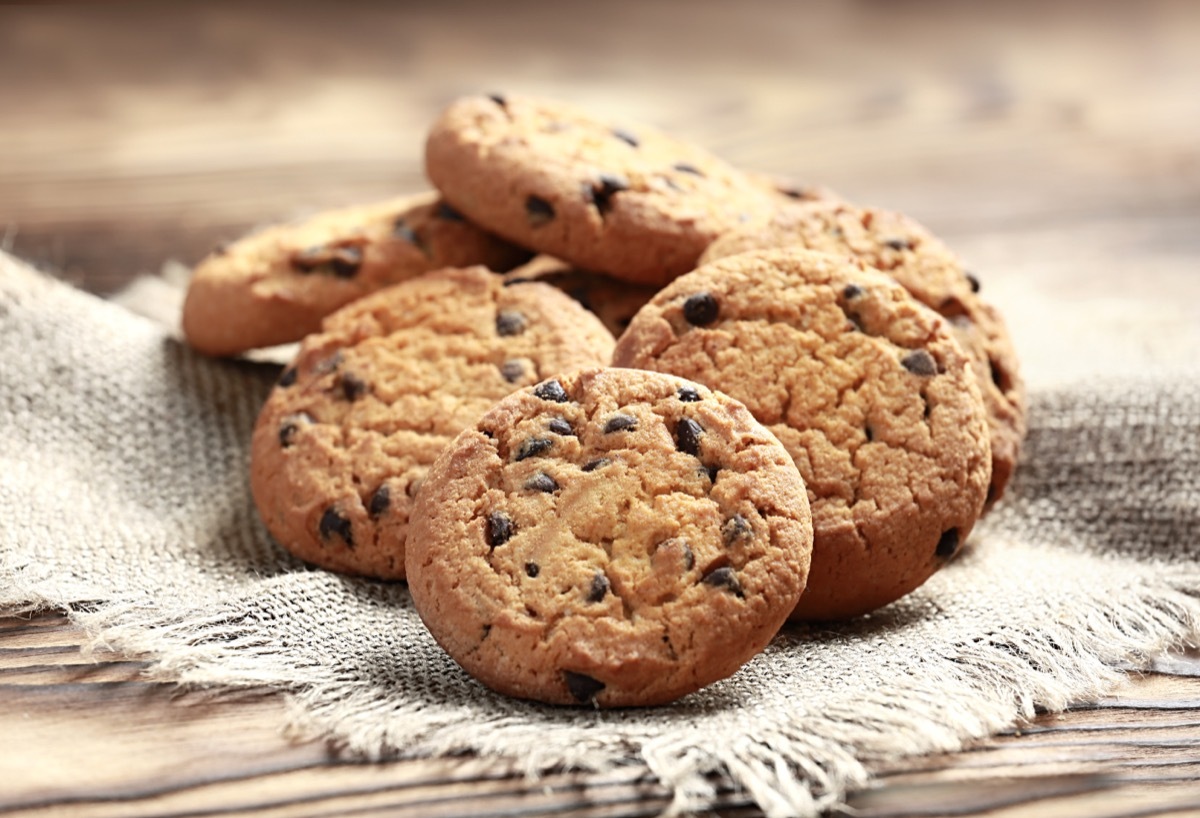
1055,146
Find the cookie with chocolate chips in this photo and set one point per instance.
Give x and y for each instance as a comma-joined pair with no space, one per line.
622,200
609,538
614,302
345,439
275,286
928,269
867,389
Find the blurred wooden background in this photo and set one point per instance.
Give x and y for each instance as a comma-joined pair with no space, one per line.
1056,145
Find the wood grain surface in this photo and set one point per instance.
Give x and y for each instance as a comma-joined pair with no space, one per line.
1055,145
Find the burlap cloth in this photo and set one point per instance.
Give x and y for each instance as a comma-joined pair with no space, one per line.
124,500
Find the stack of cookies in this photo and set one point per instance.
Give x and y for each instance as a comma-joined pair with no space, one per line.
614,408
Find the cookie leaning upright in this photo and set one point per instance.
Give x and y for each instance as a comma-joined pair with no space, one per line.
617,199
344,440
275,286
610,537
866,388
927,268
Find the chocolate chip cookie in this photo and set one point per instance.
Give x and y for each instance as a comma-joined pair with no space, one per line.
275,286
623,200
613,301
343,442
866,388
611,538
928,269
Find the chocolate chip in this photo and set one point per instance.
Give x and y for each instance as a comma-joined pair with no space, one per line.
620,423
291,424
288,377
898,244
795,192
542,482
687,394
919,362
334,524
560,426
678,546
600,192
379,502
598,463
626,137
532,447
700,309
353,387
687,436
346,261
500,529
724,577
342,262
498,99
974,282
684,167
736,528
599,588
401,230
538,210
851,291
447,213
551,390
510,322
532,569
948,543
512,371
583,688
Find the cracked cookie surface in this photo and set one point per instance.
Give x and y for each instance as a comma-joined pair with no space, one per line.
343,442
627,201
274,286
610,537
927,268
866,388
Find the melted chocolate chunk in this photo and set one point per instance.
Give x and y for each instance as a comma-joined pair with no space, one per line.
685,167
620,423
333,524
353,387
532,447
583,688
560,426
724,577
688,395
626,137
538,210
898,244
598,463
288,377
447,213
919,362
600,192
512,371
948,543
500,529
551,390
736,528
379,502
532,569
701,309
974,282
542,482
852,291
687,436
599,588
510,322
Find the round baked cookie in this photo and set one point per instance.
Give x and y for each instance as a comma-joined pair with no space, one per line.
614,302
275,286
609,537
928,269
627,201
345,439
866,388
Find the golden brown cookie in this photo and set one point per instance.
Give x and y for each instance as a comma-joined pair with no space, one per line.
928,269
345,439
611,537
622,200
866,388
614,302
275,286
